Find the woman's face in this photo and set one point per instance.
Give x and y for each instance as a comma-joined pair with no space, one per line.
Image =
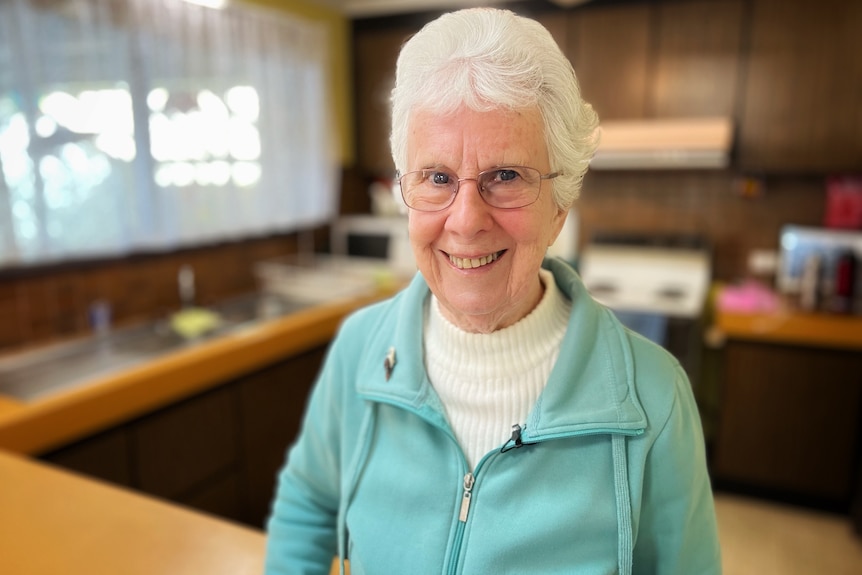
448,243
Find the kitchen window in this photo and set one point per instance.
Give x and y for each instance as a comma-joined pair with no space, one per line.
129,125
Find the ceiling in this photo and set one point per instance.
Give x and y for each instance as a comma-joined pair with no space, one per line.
370,8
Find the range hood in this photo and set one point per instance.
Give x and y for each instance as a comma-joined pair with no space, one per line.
678,143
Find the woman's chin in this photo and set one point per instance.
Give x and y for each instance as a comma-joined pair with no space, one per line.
476,315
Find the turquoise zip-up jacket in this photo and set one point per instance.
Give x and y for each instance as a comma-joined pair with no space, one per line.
608,475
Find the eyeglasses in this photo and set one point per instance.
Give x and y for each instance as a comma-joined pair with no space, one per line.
508,187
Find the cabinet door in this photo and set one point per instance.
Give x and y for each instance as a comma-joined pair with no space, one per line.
184,447
803,87
105,456
376,51
272,404
609,48
789,420
221,496
697,58
557,23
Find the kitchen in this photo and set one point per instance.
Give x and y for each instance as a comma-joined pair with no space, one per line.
792,131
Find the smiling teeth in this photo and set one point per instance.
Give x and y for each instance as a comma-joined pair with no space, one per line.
469,263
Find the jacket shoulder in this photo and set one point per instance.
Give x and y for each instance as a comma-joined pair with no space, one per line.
661,383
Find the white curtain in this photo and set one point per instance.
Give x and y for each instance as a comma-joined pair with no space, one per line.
151,124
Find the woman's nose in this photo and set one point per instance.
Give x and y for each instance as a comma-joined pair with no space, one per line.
469,214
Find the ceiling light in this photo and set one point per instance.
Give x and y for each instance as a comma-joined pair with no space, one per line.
217,4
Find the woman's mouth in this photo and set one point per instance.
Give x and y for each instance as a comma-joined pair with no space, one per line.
471,263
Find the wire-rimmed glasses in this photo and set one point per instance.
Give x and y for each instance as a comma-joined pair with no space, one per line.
506,187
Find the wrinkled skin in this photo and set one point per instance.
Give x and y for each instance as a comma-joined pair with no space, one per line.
497,293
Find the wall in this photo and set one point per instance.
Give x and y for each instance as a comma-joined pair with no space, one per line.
44,304
672,58
340,77
49,303
711,204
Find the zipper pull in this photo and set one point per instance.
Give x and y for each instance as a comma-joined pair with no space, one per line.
468,494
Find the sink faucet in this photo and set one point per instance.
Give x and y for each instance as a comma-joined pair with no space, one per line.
186,281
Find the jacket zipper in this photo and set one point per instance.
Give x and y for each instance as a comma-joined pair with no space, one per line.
469,481
469,478
466,497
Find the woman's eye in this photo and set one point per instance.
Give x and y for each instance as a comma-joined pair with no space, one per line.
439,178
507,175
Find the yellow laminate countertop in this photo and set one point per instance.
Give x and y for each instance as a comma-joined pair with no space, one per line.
54,522
792,327
36,426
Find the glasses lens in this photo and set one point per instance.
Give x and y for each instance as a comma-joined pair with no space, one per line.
510,186
428,190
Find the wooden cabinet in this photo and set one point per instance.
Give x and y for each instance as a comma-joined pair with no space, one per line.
698,55
609,47
665,59
787,71
375,52
180,448
106,456
218,452
271,405
802,106
790,421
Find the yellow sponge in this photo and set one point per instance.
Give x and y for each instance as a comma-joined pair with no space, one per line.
194,322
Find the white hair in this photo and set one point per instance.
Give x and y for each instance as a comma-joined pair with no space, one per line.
488,59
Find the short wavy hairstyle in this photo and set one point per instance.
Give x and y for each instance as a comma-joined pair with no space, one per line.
487,59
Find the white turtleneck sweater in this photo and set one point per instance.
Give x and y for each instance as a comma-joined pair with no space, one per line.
489,382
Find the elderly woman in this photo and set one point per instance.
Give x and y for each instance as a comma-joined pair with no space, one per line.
492,417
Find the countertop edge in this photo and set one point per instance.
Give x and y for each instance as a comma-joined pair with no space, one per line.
38,426
794,328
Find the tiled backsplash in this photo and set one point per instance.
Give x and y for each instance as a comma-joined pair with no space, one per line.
51,303
713,204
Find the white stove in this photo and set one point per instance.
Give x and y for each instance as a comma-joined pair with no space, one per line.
656,286
650,278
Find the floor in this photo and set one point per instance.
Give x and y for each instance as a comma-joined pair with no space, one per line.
765,538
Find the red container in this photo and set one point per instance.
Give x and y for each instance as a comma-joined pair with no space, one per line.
844,202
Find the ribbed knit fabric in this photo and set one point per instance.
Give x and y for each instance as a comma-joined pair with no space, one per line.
489,382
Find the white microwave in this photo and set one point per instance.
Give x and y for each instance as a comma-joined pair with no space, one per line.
373,236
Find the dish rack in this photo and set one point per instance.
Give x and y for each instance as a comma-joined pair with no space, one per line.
321,278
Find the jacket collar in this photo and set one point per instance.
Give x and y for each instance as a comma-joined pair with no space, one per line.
591,388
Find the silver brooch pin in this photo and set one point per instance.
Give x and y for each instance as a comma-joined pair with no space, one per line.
389,362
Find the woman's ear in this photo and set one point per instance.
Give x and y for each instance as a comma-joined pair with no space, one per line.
557,223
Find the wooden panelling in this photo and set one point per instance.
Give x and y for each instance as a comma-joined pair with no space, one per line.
557,24
790,420
803,87
10,316
609,48
105,456
698,53
221,496
794,92
219,451
51,303
705,203
182,446
272,403
374,75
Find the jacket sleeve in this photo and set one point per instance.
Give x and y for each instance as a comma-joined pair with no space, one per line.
301,530
677,532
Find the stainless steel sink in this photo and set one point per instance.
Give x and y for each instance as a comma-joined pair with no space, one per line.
30,375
